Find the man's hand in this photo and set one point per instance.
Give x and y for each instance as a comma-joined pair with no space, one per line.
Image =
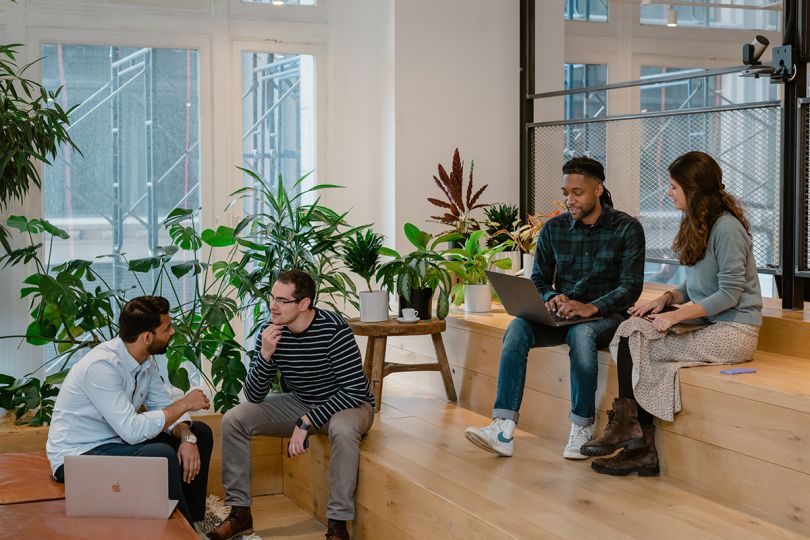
195,400
189,457
556,302
270,338
296,446
573,308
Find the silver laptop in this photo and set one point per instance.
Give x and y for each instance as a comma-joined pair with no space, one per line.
117,486
522,299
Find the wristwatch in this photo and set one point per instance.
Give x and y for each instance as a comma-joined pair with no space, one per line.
303,425
190,439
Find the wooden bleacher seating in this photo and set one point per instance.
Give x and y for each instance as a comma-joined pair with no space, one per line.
734,460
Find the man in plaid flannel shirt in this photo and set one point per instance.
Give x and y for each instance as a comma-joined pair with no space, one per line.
589,261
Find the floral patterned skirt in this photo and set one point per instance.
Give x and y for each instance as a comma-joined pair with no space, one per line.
658,357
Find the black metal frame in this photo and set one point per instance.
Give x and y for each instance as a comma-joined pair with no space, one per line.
794,189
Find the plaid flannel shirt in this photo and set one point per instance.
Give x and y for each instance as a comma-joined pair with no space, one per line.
602,264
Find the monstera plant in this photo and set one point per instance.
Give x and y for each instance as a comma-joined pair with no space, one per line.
73,308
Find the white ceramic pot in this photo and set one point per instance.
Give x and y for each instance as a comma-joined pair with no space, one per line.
373,306
477,298
514,256
528,265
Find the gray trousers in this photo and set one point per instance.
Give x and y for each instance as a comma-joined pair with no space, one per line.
276,416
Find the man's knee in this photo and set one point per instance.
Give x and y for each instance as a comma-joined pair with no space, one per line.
344,433
233,420
519,332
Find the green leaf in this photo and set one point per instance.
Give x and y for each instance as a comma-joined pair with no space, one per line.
185,237
178,215
222,237
442,305
56,378
143,265
388,252
18,222
181,269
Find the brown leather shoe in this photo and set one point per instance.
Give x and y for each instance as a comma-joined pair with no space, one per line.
238,522
622,431
337,530
643,461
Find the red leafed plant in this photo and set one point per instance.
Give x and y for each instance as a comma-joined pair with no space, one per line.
459,204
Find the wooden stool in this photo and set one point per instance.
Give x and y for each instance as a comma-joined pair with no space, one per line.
377,368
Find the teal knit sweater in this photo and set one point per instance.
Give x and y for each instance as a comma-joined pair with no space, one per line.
725,280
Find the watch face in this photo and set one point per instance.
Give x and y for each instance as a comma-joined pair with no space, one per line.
191,439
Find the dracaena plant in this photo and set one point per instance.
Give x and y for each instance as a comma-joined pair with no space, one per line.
459,201
361,253
33,127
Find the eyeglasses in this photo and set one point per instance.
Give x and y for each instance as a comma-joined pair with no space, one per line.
283,301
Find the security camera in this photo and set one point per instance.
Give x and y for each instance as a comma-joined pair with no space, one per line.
752,52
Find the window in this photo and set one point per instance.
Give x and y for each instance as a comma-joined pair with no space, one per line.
278,126
716,91
759,17
586,10
278,129
585,139
138,124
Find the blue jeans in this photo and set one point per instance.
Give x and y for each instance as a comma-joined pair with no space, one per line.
583,340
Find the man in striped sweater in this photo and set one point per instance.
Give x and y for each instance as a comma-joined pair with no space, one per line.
324,389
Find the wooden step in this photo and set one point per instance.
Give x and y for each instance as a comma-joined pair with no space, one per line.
740,439
420,478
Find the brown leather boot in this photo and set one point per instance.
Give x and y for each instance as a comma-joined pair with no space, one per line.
622,431
643,461
238,522
336,530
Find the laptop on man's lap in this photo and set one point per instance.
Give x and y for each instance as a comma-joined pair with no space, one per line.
117,486
521,298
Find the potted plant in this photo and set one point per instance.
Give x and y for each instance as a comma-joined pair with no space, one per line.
469,263
524,238
419,274
361,253
459,201
501,219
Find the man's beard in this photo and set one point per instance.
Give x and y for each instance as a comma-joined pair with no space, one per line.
158,349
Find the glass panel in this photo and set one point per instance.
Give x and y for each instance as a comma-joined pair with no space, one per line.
711,17
716,91
585,139
138,127
278,123
586,10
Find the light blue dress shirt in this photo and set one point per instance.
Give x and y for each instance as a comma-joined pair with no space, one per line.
99,400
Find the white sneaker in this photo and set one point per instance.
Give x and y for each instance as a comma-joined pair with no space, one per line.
497,437
579,436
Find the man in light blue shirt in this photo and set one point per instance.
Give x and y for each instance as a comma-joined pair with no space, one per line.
97,410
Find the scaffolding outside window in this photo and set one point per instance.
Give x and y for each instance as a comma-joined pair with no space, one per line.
138,127
586,10
585,139
712,17
278,125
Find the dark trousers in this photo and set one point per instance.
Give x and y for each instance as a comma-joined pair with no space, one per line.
624,365
190,496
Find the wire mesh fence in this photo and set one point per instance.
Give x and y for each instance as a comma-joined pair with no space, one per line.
636,150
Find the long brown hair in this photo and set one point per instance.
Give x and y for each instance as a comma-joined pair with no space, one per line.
701,180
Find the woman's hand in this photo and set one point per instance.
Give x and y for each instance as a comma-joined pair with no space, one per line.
663,321
653,306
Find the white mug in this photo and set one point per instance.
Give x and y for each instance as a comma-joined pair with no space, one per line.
409,313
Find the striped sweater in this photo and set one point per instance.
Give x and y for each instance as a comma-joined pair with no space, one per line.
321,366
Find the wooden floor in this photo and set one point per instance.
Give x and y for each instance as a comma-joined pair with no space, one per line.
417,456
278,518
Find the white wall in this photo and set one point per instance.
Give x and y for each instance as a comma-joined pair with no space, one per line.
457,69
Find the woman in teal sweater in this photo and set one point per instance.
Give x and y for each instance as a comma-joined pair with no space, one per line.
714,244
